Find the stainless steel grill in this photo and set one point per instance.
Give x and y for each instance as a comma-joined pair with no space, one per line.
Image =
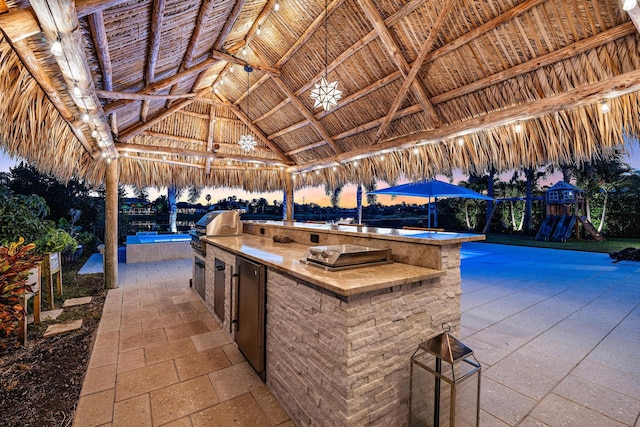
342,257
215,223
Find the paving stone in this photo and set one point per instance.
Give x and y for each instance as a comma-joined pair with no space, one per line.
63,328
46,315
76,301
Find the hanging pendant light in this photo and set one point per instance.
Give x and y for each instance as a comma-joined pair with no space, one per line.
247,142
326,94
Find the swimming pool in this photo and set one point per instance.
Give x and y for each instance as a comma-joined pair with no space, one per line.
157,247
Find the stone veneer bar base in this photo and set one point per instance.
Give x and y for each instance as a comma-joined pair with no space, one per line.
346,363
148,252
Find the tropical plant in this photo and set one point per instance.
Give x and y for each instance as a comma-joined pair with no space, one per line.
16,259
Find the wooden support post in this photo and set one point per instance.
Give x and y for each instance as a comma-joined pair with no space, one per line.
111,226
288,188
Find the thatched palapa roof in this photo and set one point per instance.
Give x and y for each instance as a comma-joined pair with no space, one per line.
428,86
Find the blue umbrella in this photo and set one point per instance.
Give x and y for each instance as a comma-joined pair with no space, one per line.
431,189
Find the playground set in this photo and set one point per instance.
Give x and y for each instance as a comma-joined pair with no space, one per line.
565,212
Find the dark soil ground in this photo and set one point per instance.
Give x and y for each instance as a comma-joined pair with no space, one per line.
40,384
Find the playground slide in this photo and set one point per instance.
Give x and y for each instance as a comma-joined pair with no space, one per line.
564,228
547,227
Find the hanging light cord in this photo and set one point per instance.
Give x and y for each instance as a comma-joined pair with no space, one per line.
326,41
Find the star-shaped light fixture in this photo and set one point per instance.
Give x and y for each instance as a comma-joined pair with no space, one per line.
326,94
247,142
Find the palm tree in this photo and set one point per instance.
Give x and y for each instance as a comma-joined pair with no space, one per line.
173,193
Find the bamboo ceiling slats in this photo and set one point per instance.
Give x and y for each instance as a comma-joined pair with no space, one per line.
548,63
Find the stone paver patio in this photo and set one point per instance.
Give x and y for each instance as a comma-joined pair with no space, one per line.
557,333
161,359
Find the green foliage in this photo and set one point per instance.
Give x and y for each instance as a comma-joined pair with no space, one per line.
16,259
24,217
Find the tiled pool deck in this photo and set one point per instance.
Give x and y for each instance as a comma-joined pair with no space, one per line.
557,333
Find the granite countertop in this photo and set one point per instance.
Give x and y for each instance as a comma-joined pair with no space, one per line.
285,258
439,238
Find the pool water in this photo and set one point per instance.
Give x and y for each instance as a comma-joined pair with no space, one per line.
158,238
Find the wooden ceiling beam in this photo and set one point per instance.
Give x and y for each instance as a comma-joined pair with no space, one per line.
293,127
59,21
306,147
162,84
307,114
134,130
575,98
413,72
228,25
107,94
564,53
200,141
19,24
210,135
233,60
99,36
266,10
157,17
125,155
172,151
89,7
309,32
396,56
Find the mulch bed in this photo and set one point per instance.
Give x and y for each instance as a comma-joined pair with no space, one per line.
40,384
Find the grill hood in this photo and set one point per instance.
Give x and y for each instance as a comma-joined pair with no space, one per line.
219,223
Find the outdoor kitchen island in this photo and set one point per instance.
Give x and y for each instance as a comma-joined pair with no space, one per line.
337,344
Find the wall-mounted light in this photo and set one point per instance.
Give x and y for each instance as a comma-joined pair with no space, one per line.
629,4
605,107
518,127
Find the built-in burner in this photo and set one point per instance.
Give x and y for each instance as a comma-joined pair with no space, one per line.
343,257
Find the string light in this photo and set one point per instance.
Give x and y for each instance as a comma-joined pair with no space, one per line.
86,117
56,47
94,133
276,7
416,151
244,51
460,141
259,30
605,107
77,92
518,127
629,4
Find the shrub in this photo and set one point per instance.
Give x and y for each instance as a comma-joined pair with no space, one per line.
15,262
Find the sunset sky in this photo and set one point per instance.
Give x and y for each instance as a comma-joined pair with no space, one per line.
313,194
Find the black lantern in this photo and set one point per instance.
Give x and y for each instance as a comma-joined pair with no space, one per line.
445,384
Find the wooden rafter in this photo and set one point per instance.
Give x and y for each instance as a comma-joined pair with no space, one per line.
210,135
172,151
228,25
614,87
200,141
59,21
139,127
107,94
157,16
99,35
162,84
308,115
233,60
394,53
266,10
417,64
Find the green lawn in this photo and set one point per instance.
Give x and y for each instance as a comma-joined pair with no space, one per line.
589,245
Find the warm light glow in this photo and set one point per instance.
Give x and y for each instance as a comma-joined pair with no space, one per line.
355,164
228,162
605,107
247,142
334,168
231,69
108,159
85,117
276,7
326,94
518,127
104,154
244,50
76,91
317,172
164,157
259,30
416,151
56,48
629,4
460,141
94,133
